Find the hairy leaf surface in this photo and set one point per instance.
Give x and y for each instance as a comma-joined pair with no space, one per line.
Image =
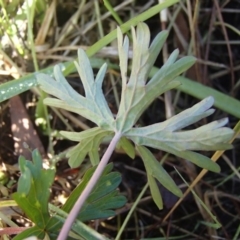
138,92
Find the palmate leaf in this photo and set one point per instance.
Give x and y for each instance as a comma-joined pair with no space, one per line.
101,203
137,94
33,193
89,145
102,200
33,199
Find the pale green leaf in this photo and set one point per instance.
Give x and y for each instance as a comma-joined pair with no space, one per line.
69,97
136,94
197,139
93,106
79,136
123,47
198,159
53,102
188,116
171,59
212,136
89,145
156,44
93,89
165,75
140,67
94,157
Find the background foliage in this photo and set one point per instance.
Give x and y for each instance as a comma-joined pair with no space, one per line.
216,74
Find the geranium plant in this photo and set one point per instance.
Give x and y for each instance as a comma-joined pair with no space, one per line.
138,92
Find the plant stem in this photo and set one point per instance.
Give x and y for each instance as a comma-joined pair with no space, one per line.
87,190
131,211
12,230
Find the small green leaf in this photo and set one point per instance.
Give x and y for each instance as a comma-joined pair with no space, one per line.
37,159
123,47
33,231
199,159
155,169
158,84
89,144
156,44
102,199
140,67
24,182
156,195
33,199
127,146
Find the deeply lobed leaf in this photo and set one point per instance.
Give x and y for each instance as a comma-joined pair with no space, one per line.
33,190
208,137
89,144
136,96
93,107
155,169
103,199
162,136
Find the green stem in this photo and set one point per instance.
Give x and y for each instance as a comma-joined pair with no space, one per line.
131,211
